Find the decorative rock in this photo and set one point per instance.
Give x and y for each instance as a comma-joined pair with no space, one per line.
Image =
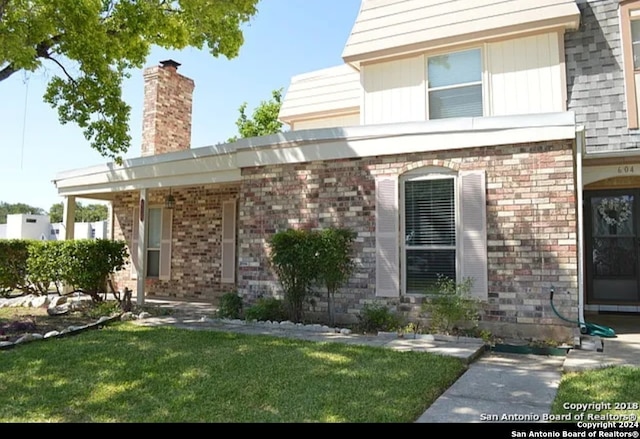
345,331
103,319
51,334
299,324
326,328
28,337
76,328
58,310
39,302
268,322
144,315
287,323
5,344
57,300
127,316
236,322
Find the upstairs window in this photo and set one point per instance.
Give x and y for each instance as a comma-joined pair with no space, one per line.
630,35
455,84
635,43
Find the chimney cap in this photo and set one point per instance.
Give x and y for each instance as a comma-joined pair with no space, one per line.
170,63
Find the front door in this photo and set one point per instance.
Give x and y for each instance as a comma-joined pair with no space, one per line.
612,246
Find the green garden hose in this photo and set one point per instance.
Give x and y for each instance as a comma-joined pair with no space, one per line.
585,328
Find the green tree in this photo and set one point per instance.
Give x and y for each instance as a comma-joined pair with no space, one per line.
264,120
93,44
10,209
89,213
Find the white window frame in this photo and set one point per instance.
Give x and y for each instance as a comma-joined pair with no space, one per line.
429,173
158,249
483,82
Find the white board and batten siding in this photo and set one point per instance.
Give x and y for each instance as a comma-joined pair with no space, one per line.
526,75
472,235
523,75
387,28
346,120
394,91
323,94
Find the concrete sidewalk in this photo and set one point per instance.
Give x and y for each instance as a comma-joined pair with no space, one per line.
500,388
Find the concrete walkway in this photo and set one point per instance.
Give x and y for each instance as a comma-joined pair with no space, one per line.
495,388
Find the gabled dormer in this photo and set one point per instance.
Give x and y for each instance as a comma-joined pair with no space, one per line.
431,59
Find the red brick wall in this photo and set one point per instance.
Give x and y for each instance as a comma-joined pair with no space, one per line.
530,213
195,243
166,119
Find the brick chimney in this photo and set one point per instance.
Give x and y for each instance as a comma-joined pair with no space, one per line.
166,118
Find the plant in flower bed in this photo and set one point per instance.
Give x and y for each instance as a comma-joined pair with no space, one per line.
166,374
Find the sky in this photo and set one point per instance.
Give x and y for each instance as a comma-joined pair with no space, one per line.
284,39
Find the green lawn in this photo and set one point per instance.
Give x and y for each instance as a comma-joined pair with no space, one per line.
617,387
127,373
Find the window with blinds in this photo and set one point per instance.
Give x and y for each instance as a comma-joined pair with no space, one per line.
430,232
455,84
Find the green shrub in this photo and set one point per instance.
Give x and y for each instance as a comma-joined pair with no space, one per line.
377,317
230,306
45,265
87,263
267,308
450,305
14,254
293,258
334,262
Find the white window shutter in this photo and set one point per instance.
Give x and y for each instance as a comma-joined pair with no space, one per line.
473,217
133,248
228,275
387,233
165,245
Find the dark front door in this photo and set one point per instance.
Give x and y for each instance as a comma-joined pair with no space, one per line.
613,246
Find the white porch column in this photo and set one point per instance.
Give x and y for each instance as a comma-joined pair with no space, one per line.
110,220
142,246
68,216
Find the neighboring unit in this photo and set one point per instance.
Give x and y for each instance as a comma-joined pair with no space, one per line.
458,139
27,226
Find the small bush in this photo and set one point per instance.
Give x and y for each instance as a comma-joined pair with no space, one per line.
230,306
107,308
14,254
451,305
293,258
267,308
377,317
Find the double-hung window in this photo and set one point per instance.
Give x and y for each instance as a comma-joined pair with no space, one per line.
455,84
154,238
429,227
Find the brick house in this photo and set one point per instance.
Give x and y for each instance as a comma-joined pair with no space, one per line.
456,139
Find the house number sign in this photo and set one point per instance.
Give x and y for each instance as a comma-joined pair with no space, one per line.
626,169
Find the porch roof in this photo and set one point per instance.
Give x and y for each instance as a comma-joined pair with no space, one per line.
223,163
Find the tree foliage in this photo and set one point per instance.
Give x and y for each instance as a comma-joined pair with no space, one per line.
13,208
88,214
93,45
264,120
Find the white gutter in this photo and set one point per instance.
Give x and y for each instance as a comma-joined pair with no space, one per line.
580,142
